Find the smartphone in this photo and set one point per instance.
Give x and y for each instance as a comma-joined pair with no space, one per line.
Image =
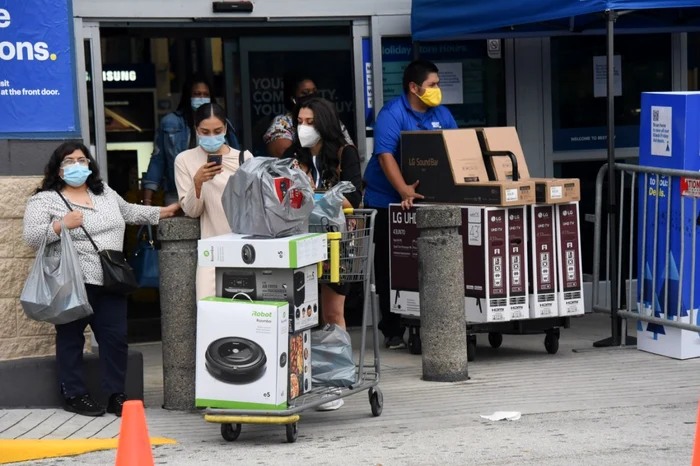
214,158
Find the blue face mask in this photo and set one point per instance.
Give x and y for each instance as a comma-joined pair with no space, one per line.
76,175
199,101
211,143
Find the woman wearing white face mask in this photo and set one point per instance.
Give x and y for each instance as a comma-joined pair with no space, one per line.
324,154
201,175
175,134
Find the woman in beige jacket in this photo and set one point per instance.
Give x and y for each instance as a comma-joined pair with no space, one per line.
201,183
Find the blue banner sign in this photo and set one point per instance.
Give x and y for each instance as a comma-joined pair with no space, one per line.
37,80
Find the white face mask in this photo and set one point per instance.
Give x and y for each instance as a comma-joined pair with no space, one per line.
308,136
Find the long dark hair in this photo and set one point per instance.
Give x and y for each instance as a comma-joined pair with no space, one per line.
291,83
53,182
210,110
184,107
327,123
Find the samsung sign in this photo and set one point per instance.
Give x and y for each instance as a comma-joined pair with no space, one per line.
138,76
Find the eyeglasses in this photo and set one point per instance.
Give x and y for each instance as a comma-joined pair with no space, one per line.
81,161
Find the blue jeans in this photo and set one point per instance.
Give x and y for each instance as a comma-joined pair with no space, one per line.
108,323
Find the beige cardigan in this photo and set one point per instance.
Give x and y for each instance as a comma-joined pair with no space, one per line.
208,206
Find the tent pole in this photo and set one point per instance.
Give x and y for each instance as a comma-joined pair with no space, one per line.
615,320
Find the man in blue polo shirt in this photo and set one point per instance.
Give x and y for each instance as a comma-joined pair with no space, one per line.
418,108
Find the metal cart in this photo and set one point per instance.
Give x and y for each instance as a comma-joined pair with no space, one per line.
548,326
351,259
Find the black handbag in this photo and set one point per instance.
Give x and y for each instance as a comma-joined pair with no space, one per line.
118,276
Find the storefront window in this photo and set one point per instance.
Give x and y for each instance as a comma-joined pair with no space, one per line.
579,87
694,61
473,84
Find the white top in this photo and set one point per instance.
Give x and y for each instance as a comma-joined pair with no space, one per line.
105,221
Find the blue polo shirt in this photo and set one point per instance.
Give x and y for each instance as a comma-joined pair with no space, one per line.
397,116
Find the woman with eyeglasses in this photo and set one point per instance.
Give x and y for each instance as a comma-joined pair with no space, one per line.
72,177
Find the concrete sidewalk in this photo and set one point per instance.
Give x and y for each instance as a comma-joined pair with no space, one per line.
618,406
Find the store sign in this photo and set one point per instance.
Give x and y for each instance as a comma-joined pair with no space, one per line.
333,80
37,87
134,76
594,138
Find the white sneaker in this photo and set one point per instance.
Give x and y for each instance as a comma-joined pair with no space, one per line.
331,405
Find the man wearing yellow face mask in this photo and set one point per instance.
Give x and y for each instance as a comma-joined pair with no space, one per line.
418,108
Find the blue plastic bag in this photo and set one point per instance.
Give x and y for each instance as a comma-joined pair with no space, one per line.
332,364
145,262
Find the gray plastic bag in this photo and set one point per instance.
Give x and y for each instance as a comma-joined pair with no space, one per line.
332,364
54,291
328,210
253,207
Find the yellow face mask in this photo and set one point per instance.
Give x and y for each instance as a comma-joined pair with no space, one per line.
431,97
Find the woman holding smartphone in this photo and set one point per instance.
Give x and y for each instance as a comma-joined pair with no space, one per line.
201,175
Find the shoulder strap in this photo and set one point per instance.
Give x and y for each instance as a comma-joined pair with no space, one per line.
340,155
241,156
81,226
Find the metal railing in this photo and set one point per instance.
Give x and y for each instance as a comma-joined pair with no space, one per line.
668,211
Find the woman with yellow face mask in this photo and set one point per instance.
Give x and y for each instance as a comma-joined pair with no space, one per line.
417,109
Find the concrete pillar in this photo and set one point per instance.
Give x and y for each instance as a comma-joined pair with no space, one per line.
178,309
441,287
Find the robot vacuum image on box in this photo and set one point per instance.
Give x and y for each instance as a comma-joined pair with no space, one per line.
248,254
235,360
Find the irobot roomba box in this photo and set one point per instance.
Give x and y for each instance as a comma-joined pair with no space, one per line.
242,354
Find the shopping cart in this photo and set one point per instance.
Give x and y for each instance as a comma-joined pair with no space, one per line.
350,260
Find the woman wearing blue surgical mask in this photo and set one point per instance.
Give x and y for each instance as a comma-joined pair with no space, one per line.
73,178
176,134
201,175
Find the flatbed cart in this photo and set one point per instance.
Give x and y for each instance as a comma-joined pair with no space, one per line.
549,326
351,259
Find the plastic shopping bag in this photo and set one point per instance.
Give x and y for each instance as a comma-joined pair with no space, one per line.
267,197
332,364
328,210
54,291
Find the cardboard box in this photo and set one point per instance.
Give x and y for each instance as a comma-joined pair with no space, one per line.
518,265
542,260
505,139
570,272
234,250
299,364
668,139
486,276
299,287
450,168
241,359
557,190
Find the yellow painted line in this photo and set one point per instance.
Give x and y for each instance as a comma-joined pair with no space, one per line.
13,451
220,419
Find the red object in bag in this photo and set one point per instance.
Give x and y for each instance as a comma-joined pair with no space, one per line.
282,186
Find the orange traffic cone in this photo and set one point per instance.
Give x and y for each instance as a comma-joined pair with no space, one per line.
696,446
134,445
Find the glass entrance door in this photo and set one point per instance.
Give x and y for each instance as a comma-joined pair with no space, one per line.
92,116
265,61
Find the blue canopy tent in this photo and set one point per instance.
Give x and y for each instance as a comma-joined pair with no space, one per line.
465,19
